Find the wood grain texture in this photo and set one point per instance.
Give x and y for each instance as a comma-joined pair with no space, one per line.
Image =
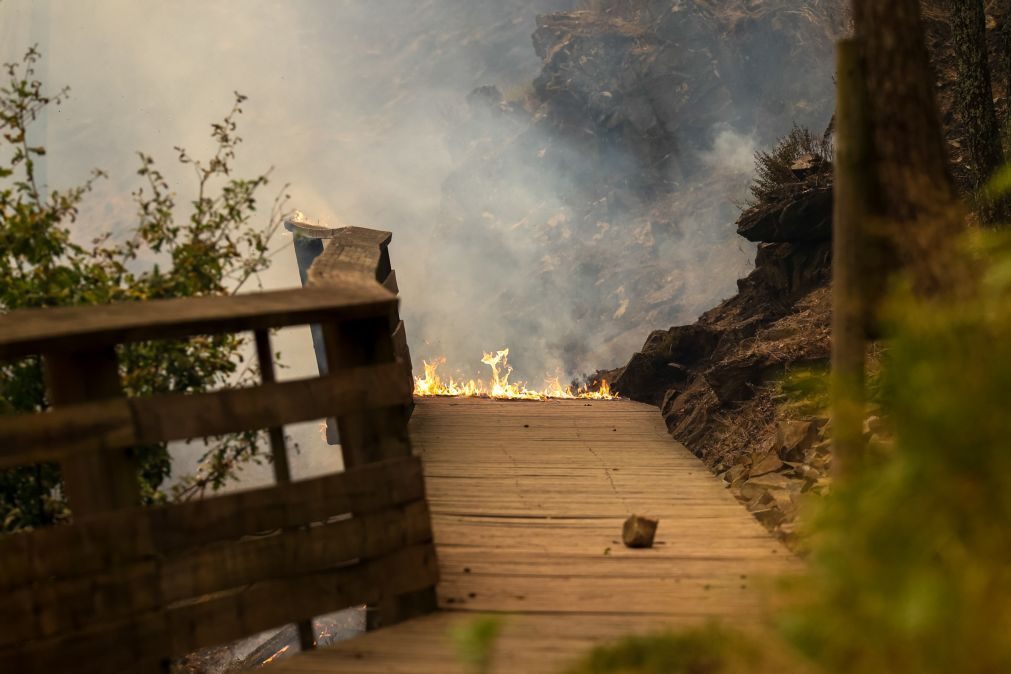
30,331
129,588
98,480
391,282
119,538
122,422
142,642
377,434
52,608
360,252
527,502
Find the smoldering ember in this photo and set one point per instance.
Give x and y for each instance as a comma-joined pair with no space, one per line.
533,336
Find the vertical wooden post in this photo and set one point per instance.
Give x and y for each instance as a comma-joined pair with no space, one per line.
279,454
95,482
378,434
374,436
850,314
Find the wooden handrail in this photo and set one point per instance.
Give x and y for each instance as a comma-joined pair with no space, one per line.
120,423
337,258
172,579
31,331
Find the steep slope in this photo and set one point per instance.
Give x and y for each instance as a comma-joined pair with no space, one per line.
717,381
602,198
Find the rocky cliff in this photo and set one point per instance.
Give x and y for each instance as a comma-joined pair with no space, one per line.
719,381
603,197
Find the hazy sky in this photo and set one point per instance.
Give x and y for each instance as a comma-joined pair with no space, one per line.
348,101
352,103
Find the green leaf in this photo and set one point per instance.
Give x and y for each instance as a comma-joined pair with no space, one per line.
999,184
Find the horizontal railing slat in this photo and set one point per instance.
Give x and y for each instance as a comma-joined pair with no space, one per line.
117,538
274,603
338,265
84,602
127,589
125,422
224,566
138,644
54,434
181,417
32,331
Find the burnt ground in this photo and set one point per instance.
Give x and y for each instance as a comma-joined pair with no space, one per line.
716,381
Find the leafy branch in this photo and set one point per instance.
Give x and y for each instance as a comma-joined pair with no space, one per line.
208,246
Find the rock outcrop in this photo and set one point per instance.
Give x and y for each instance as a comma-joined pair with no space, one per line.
716,380
612,180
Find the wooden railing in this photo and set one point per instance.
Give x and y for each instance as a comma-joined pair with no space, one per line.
333,257
126,588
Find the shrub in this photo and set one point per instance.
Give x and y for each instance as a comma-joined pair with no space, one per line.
775,177
213,249
911,565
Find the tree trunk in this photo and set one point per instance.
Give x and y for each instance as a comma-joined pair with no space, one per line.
915,212
1004,75
975,96
850,257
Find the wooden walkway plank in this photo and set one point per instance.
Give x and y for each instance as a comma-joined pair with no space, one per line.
527,502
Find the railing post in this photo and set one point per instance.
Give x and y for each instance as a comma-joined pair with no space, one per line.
351,255
850,310
101,481
279,456
330,256
374,436
371,436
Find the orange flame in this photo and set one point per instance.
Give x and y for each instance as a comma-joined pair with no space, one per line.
499,386
275,655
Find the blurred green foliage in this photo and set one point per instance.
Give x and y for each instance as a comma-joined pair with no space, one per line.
705,650
211,248
475,642
909,560
806,391
999,184
775,178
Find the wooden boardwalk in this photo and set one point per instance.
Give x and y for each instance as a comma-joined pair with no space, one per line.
527,503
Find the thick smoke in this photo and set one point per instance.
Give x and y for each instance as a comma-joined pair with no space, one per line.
601,202
510,227
349,102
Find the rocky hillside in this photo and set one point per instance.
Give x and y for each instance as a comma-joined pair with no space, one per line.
715,380
718,381
603,197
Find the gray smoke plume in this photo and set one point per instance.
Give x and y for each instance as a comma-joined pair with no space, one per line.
563,218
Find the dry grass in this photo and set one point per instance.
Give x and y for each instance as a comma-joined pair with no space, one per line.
776,179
